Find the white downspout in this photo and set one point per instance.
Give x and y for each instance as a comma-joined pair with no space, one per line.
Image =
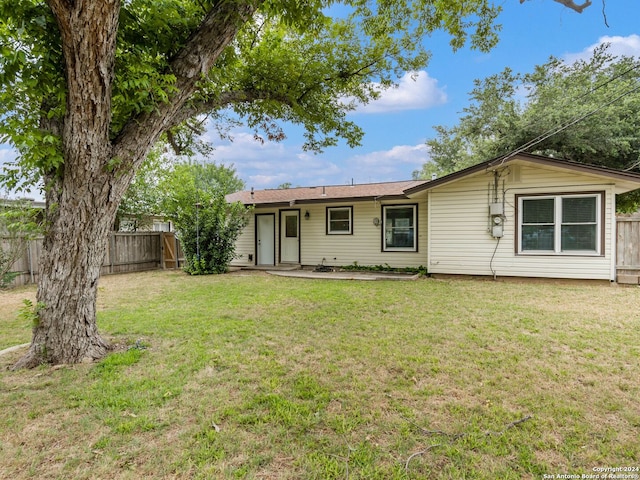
428,231
614,236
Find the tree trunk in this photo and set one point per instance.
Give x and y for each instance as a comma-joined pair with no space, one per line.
74,250
83,195
81,200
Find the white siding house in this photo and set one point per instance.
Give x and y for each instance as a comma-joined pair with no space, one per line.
524,216
343,227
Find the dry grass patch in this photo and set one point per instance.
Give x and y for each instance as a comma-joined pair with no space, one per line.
13,328
253,376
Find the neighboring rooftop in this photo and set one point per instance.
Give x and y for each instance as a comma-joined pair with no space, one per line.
386,190
24,202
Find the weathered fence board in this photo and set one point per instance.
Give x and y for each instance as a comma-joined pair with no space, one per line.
628,249
126,252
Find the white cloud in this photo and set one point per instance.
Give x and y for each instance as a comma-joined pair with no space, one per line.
269,164
394,164
620,46
415,91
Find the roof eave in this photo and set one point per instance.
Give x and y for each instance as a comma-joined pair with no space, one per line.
312,201
625,180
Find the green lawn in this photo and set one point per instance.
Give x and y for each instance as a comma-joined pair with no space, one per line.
254,376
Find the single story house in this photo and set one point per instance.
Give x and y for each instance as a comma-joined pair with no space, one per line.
519,216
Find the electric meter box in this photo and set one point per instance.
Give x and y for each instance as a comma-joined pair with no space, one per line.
496,209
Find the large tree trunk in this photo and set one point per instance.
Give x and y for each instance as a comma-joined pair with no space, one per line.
81,208
84,193
73,253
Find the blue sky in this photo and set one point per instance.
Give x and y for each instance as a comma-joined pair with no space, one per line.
397,126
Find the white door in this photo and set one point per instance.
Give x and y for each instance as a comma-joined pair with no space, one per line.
265,239
290,236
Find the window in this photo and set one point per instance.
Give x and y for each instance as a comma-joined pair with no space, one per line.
161,226
560,224
399,227
291,226
339,220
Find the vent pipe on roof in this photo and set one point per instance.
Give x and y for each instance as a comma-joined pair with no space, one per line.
251,193
324,193
434,176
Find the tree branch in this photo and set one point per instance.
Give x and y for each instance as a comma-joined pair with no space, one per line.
88,31
173,143
190,65
574,6
571,4
224,100
604,13
455,436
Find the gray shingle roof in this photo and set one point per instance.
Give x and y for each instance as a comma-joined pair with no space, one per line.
327,193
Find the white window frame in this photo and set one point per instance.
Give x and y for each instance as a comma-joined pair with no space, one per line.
557,224
386,248
330,231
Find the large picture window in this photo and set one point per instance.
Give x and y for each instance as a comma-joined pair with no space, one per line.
560,224
339,220
399,227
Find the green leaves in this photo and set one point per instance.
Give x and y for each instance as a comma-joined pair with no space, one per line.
208,226
292,62
31,312
587,111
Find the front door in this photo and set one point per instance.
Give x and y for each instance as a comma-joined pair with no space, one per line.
290,236
265,239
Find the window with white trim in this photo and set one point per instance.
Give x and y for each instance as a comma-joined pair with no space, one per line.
560,224
339,220
399,228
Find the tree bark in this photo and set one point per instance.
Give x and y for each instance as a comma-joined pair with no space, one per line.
571,4
73,253
80,207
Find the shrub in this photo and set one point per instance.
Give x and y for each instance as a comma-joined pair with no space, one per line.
207,225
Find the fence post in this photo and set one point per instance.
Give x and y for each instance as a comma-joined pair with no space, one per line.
30,260
627,252
162,260
111,250
176,246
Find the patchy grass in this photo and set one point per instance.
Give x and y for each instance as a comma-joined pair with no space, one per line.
13,329
261,377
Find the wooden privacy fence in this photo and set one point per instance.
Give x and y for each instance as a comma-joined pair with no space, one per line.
126,252
628,251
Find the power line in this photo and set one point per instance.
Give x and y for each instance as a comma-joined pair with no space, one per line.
552,132
549,133
568,101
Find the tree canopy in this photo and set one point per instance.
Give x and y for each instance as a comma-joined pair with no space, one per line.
587,111
283,61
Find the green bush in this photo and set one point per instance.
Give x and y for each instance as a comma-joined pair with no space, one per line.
208,241
207,225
